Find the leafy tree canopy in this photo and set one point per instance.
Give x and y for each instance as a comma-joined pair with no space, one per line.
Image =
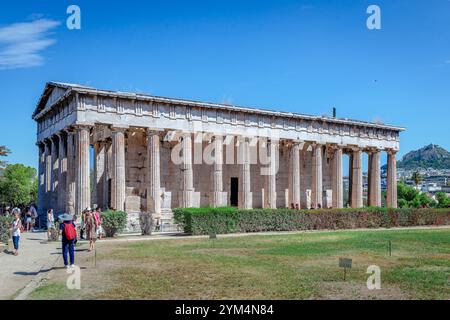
408,197
3,153
443,200
18,186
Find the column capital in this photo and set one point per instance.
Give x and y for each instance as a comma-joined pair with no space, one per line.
81,126
314,144
119,129
334,146
372,150
154,131
70,130
353,148
392,152
297,142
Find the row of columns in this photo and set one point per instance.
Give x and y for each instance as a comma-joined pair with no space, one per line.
68,154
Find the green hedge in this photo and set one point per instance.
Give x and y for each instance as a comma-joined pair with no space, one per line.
113,222
232,220
5,225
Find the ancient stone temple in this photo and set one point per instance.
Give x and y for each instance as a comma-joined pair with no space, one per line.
147,154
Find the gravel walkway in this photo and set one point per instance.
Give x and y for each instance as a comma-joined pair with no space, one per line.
36,259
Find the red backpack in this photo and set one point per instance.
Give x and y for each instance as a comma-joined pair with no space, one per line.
69,231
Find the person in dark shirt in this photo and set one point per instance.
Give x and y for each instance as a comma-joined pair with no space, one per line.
68,246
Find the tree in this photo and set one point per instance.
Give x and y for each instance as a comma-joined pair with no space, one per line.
408,197
3,153
416,178
18,186
443,200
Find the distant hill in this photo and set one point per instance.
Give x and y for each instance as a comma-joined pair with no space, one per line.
431,156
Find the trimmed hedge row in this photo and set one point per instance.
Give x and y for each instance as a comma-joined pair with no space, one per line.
231,220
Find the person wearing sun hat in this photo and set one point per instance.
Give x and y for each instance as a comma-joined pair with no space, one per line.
91,228
67,230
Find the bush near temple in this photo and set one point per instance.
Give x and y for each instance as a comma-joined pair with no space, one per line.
113,222
231,220
5,225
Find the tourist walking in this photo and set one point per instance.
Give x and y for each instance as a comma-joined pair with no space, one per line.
90,228
98,222
28,221
68,237
16,230
83,224
50,223
34,217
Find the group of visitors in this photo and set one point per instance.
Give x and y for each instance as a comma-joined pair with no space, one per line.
91,226
66,226
28,217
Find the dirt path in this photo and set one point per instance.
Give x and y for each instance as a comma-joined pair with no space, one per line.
36,255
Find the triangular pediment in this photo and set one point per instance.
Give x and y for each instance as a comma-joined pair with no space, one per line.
52,93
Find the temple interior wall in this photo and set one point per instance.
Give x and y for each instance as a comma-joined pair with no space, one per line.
305,175
283,177
170,178
136,167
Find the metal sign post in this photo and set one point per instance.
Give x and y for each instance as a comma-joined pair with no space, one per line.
346,264
390,248
212,237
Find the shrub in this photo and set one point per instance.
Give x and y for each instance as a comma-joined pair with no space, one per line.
113,222
230,220
5,225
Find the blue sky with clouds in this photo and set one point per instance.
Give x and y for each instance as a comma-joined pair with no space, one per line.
299,56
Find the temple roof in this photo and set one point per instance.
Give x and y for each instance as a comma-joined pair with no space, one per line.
68,88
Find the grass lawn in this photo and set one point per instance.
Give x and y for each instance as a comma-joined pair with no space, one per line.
285,266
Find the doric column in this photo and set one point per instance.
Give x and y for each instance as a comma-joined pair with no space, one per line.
41,181
154,172
357,179
337,181
245,195
71,172
118,186
48,171
55,169
99,171
271,178
317,191
391,198
107,174
374,194
217,173
295,174
62,172
82,185
187,178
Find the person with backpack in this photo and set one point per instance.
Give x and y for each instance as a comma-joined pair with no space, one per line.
68,233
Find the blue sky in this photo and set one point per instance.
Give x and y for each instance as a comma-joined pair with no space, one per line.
300,56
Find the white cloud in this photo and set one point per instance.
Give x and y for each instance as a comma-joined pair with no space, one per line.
21,44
